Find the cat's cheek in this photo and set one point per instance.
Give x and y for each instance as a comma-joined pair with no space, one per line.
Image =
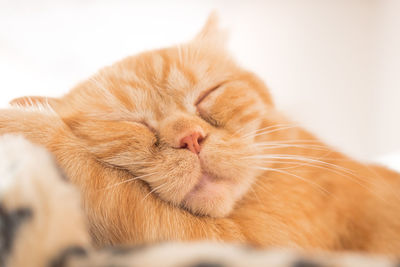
226,158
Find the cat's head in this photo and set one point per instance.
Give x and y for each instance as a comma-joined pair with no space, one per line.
182,119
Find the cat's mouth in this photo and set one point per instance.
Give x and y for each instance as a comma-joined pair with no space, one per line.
204,181
210,195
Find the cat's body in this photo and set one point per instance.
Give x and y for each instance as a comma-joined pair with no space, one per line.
36,199
246,174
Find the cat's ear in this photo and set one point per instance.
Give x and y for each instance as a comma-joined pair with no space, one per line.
212,33
36,102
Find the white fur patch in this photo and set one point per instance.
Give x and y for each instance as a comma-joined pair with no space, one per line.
13,153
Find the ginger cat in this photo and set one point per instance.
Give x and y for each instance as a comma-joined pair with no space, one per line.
183,144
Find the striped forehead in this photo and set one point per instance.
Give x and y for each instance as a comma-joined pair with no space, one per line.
153,85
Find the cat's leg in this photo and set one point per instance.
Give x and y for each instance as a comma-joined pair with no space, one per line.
41,223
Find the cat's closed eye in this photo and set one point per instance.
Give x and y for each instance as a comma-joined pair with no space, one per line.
204,111
206,93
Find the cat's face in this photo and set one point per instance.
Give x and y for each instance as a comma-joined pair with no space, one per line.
180,119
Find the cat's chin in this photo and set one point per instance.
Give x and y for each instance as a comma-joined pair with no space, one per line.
210,196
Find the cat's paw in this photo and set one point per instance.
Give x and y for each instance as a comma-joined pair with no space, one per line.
40,213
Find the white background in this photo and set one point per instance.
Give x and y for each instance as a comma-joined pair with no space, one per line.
334,66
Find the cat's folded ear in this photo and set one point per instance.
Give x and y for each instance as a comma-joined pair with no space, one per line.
39,102
212,33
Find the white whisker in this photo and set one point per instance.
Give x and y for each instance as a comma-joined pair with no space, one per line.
297,176
128,180
153,190
268,128
339,170
267,145
270,131
355,179
295,157
294,141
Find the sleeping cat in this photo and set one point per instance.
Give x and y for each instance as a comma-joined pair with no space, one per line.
183,144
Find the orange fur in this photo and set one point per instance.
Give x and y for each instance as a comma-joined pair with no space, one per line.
272,183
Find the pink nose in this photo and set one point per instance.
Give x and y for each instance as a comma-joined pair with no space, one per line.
192,142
